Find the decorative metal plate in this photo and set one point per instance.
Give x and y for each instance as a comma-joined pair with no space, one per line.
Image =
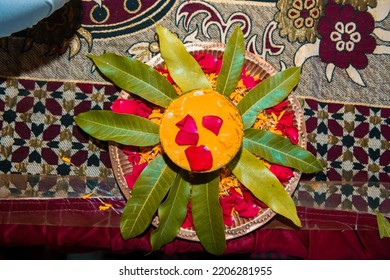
257,66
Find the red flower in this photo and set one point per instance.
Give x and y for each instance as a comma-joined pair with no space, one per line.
346,36
286,125
250,82
132,177
188,222
292,133
278,108
209,63
133,154
246,208
283,173
131,106
166,74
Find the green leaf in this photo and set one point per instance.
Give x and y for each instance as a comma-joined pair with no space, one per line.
258,179
232,62
268,93
182,67
122,128
278,149
172,212
383,225
207,212
149,190
136,77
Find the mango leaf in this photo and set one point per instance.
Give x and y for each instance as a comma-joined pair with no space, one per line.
263,184
182,67
149,190
383,225
172,212
268,93
122,128
136,77
278,149
207,212
232,62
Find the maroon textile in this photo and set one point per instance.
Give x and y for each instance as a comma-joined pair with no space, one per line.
75,225
299,244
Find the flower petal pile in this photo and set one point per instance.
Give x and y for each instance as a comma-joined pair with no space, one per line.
200,196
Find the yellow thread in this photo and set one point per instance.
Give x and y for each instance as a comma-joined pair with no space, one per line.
86,196
105,206
66,159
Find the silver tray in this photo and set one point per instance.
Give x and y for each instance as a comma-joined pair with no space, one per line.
256,65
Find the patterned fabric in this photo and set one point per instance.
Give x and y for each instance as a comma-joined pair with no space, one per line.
46,79
38,132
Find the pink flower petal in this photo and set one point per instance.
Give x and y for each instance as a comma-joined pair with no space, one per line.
292,133
251,210
143,110
188,223
133,154
287,119
199,158
209,63
248,196
212,123
243,72
249,82
166,74
124,106
283,173
186,138
131,106
278,108
188,124
228,220
132,177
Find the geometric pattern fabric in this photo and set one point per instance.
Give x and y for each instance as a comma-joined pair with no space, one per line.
38,130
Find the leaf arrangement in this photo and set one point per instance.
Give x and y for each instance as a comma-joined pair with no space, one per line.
165,188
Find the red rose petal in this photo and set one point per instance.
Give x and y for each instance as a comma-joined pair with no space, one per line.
166,74
292,133
131,106
132,177
199,158
277,108
287,119
249,82
186,138
212,123
283,173
143,110
228,220
208,63
188,124
133,154
124,106
251,210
